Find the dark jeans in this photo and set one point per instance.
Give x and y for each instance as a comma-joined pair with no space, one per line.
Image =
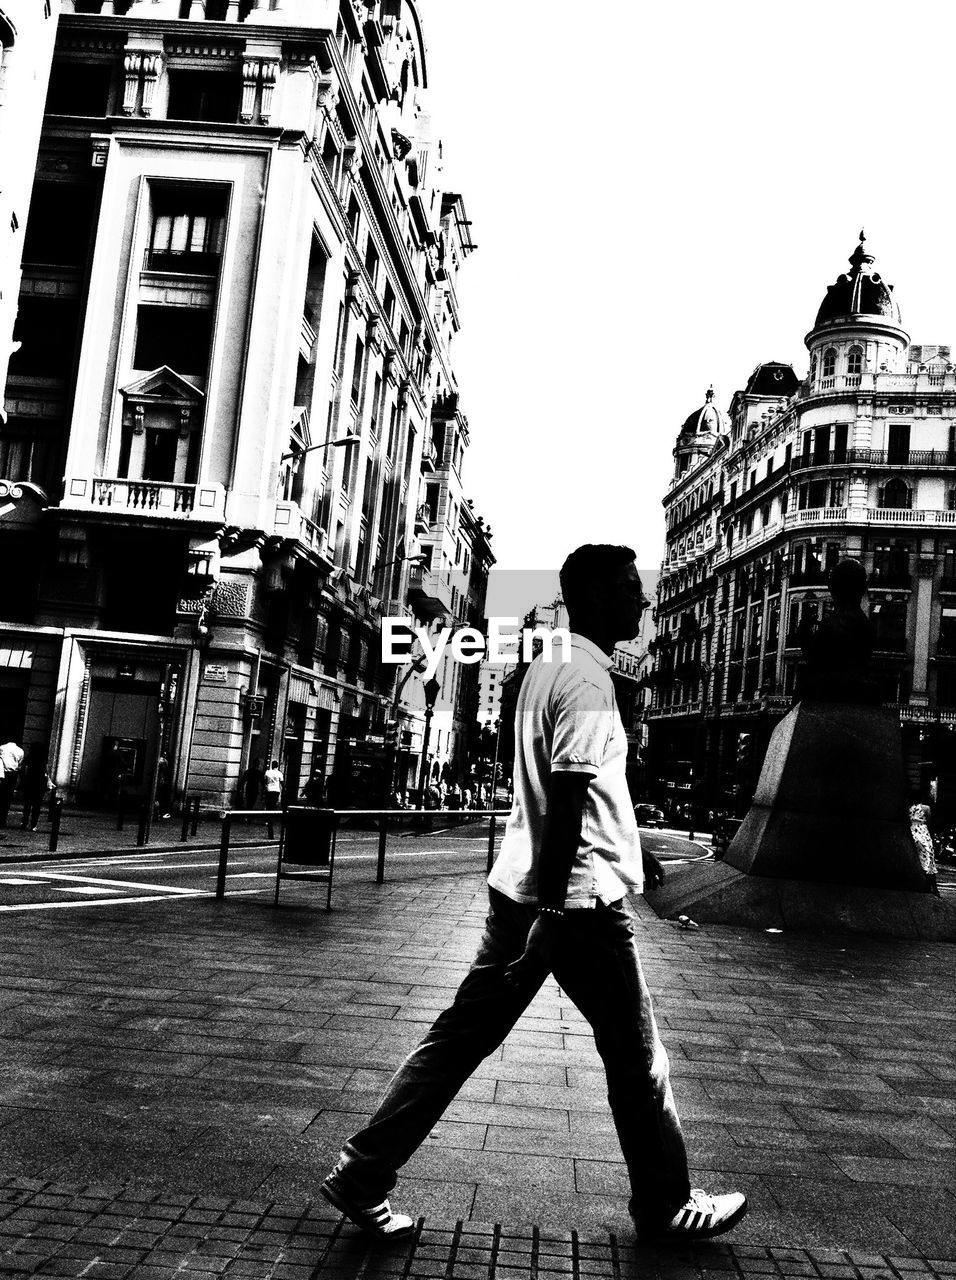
599,969
32,807
8,784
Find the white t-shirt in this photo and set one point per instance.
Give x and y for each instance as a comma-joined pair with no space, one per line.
567,721
11,756
273,781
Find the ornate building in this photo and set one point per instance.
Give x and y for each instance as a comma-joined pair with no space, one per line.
858,459
27,33
235,358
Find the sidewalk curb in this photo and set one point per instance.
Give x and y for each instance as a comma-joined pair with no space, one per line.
118,850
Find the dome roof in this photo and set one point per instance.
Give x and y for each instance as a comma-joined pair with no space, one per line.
708,420
860,292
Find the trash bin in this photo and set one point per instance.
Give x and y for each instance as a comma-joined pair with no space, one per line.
308,836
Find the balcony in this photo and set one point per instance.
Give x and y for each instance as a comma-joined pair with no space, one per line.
876,458
429,593
429,455
149,498
247,12
293,525
423,519
182,262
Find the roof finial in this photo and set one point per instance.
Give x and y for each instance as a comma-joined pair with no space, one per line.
859,256
710,393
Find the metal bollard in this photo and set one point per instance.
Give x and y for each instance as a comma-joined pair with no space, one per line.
56,812
120,810
184,833
382,840
141,829
194,825
492,829
223,857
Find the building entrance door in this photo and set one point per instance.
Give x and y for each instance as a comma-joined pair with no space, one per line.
122,737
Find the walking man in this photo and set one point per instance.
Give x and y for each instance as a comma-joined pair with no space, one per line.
273,781
570,854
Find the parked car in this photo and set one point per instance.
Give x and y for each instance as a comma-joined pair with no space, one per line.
724,831
648,815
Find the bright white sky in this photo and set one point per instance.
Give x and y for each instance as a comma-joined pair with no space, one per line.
660,195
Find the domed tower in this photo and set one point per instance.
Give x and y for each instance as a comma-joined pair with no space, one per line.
700,432
858,328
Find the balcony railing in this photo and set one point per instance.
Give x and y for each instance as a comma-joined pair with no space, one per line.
874,457
145,497
248,12
182,262
292,523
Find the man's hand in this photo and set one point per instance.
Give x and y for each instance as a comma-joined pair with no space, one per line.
653,871
535,963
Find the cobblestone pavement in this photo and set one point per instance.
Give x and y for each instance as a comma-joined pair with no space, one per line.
177,1081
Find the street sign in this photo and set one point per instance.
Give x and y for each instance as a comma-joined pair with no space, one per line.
215,673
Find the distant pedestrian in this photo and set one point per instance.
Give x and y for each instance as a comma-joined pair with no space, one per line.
36,783
251,785
314,790
571,853
273,781
11,758
920,816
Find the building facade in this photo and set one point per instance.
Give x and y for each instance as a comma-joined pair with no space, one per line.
858,459
235,352
27,34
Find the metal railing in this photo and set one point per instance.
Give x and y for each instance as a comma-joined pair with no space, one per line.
387,818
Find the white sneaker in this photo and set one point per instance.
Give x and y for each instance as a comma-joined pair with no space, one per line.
375,1219
703,1215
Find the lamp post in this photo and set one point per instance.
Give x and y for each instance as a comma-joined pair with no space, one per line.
312,448
494,766
431,688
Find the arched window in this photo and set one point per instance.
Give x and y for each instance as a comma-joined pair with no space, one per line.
854,361
813,369
829,362
896,494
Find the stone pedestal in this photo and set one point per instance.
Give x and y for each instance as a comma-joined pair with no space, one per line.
831,805
826,845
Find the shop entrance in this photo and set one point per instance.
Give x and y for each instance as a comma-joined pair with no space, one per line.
122,736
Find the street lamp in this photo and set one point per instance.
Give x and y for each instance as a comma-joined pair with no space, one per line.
311,448
432,689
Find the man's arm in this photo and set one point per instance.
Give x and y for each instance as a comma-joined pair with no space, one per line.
567,793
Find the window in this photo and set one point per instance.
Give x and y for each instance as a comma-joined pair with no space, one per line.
180,337
29,451
357,370
204,95
898,442
854,361
79,89
188,230
896,494
330,157
47,330
889,618
829,363
52,238
840,433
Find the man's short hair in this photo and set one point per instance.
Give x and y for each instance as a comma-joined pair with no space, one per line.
593,566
